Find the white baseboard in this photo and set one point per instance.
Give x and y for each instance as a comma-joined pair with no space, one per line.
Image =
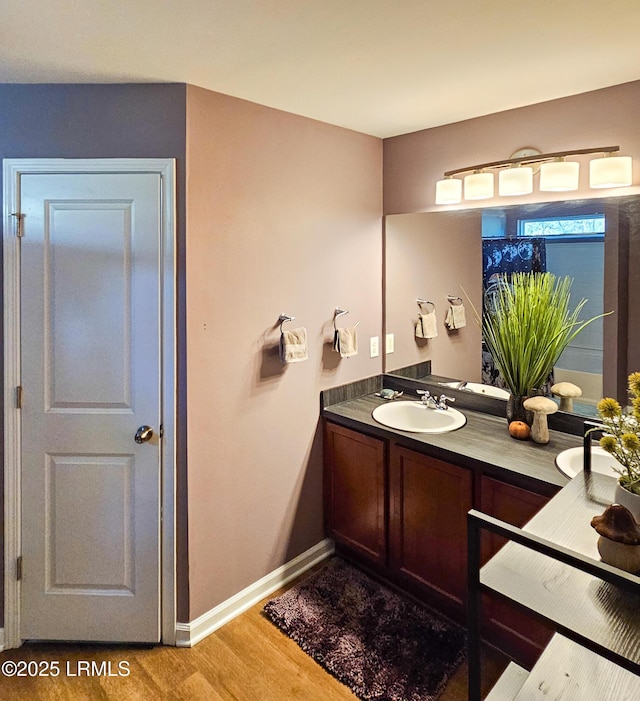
188,634
1,639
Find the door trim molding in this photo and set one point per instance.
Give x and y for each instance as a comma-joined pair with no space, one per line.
12,170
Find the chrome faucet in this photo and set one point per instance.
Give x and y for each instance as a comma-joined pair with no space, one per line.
442,401
430,401
427,398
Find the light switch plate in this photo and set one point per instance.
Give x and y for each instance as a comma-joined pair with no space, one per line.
389,343
375,346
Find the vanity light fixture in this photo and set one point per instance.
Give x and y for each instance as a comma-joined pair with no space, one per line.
448,191
559,175
478,186
515,174
516,180
610,171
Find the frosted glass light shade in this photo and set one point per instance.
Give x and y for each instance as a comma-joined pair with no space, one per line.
478,186
449,191
611,171
559,176
515,181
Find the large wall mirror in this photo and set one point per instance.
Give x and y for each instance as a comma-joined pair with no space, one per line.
464,253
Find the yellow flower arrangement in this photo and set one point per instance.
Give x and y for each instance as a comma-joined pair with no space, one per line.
622,437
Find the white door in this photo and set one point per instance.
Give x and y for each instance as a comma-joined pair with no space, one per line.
90,373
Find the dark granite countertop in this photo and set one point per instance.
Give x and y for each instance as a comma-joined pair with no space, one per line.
482,444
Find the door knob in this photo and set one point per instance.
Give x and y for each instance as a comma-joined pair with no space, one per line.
143,434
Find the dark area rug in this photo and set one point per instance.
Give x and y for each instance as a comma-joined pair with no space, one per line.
382,646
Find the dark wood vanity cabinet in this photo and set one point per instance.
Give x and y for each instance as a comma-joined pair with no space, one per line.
404,515
429,500
355,492
401,512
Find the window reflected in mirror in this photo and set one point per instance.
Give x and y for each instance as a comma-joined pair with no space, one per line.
565,244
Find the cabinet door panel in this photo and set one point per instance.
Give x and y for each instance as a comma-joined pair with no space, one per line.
525,635
355,491
428,528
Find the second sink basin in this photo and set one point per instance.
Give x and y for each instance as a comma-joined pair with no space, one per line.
478,388
418,418
570,461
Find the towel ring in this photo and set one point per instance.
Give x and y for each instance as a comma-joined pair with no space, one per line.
425,301
284,317
452,299
338,312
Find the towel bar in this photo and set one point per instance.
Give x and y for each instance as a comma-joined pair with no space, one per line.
284,317
425,301
338,312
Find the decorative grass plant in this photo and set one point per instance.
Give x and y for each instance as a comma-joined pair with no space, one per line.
528,327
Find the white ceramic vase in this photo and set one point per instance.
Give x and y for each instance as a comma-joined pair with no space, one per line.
629,499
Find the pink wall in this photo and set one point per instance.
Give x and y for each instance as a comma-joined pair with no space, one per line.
283,215
431,255
414,162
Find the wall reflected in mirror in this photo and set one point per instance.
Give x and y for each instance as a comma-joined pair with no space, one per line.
471,252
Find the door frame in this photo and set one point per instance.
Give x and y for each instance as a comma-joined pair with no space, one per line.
12,170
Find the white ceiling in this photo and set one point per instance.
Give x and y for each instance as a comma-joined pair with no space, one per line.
383,67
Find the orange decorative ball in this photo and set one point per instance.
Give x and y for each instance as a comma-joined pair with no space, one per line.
519,430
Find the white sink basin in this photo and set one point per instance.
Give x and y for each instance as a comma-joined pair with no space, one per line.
479,388
418,418
570,461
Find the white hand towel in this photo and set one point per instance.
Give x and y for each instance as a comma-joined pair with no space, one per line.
456,317
346,341
293,345
427,326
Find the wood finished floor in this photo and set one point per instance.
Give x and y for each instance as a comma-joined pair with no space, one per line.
248,659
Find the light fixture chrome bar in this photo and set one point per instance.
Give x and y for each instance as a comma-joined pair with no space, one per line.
532,159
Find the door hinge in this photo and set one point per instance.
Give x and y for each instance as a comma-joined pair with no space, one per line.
19,397
19,223
19,568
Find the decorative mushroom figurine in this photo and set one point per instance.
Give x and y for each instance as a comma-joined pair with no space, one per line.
566,391
540,406
619,541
